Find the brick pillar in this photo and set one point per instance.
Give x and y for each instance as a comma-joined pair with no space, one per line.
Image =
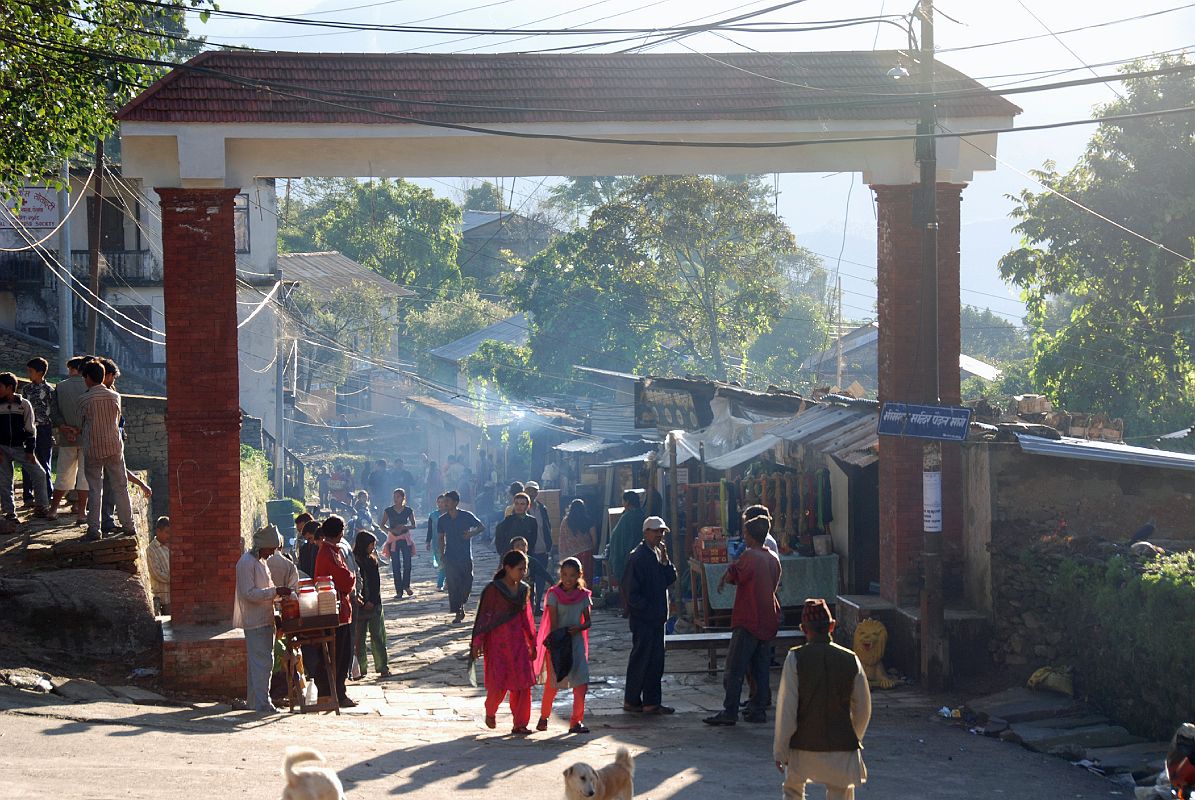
203,417
902,374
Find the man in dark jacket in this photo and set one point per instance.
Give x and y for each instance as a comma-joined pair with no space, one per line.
18,435
519,523
822,712
645,584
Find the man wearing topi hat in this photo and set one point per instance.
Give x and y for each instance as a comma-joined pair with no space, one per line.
645,582
822,712
254,612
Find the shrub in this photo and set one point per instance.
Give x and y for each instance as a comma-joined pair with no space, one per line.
256,489
1126,629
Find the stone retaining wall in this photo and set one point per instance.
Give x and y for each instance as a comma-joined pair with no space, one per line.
1084,604
145,449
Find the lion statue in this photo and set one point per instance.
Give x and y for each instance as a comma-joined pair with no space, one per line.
871,639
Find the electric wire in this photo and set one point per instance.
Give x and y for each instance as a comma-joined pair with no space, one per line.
58,227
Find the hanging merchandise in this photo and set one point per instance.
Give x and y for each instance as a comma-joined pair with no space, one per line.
733,510
825,504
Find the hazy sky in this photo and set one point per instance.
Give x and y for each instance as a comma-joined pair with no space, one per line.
813,205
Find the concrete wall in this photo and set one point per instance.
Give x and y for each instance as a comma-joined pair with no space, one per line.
977,526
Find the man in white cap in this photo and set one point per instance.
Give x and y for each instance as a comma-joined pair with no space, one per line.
645,582
254,613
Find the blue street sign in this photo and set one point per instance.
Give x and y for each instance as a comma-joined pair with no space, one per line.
924,422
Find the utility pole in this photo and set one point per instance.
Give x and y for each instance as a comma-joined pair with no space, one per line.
66,317
935,651
279,419
838,369
93,247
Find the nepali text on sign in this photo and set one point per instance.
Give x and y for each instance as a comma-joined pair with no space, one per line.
38,211
924,422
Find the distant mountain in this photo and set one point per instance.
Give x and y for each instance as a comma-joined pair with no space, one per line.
983,243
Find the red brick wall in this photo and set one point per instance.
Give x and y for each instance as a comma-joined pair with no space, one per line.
901,377
202,402
212,668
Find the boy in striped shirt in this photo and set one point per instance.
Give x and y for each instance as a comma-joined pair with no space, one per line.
103,450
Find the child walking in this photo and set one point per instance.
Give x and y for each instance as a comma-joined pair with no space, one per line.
504,632
371,620
565,625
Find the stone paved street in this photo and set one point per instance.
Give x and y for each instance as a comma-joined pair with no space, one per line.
419,734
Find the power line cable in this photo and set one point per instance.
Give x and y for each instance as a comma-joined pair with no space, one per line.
58,227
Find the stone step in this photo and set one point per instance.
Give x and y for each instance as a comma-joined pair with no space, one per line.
1139,759
1065,723
1043,739
1019,704
85,691
142,697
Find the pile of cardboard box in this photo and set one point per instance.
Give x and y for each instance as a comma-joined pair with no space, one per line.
711,546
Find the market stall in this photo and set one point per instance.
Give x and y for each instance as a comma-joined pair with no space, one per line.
801,577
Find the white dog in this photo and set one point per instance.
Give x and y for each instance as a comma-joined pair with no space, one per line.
612,782
309,783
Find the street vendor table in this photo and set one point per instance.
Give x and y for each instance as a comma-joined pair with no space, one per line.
801,577
307,632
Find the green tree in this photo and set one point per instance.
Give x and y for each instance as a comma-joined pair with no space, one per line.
357,317
583,309
483,197
705,253
1125,346
509,368
395,228
990,337
573,199
800,331
68,65
447,320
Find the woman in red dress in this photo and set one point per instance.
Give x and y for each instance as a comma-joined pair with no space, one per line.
504,632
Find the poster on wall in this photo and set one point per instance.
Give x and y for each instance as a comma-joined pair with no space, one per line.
38,211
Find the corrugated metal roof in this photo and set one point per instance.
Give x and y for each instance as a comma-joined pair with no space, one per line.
1091,450
854,340
976,367
592,446
752,450
845,432
407,88
325,272
467,414
607,373
586,445
512,330
471,219
868,335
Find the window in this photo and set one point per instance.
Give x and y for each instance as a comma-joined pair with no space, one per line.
240,222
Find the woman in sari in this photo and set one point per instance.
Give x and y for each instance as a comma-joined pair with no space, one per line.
504,632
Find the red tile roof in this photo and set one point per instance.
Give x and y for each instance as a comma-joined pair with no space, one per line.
513,88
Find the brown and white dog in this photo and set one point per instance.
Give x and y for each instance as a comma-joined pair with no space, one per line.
612,782
309,782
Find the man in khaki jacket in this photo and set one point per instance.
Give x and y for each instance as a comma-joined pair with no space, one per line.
822,712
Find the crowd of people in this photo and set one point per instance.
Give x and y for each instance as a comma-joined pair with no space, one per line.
73,430
823,702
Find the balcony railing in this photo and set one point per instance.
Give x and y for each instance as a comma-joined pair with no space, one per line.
123,265
22,269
